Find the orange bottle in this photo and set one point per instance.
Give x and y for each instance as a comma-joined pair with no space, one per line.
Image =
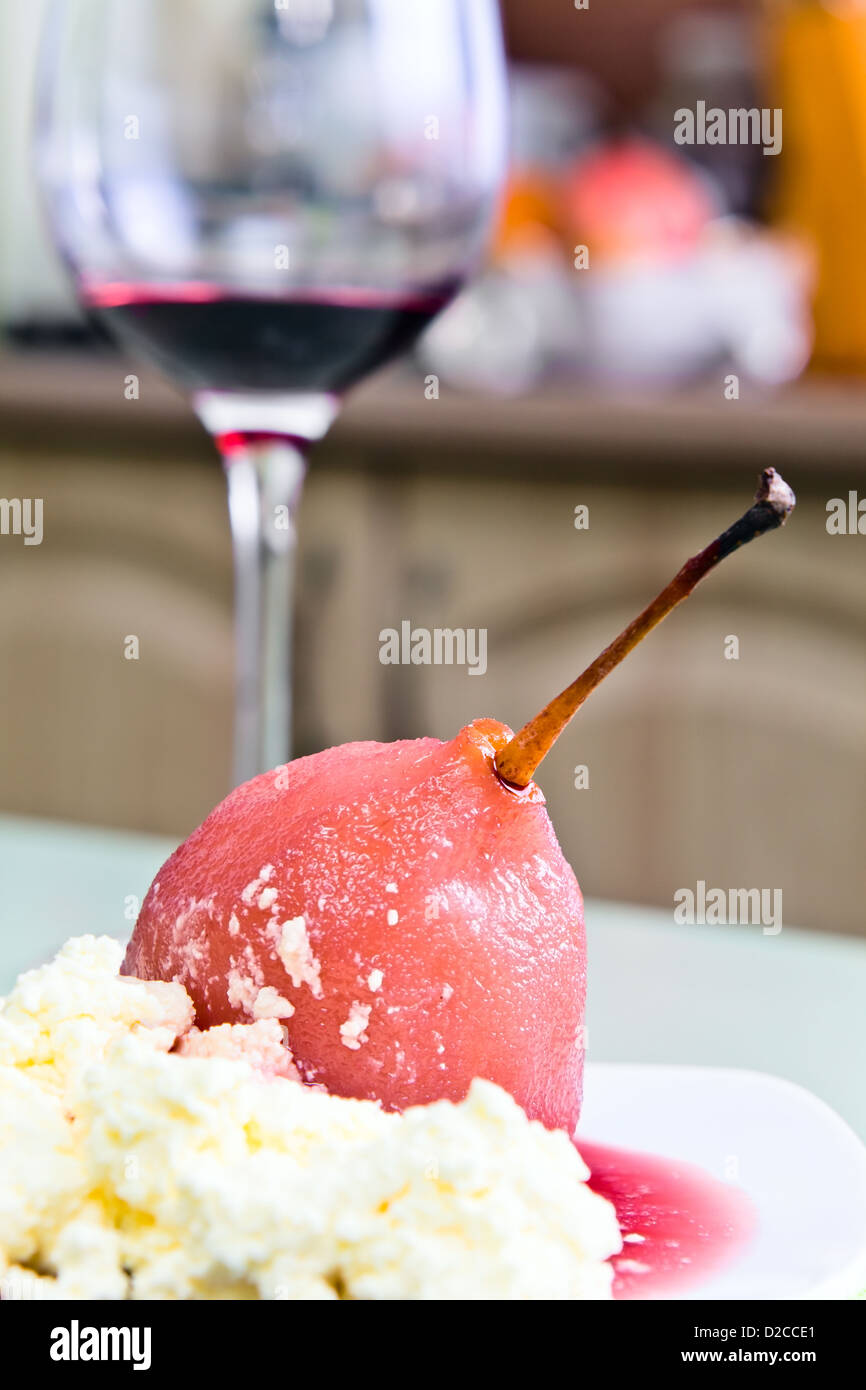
818,65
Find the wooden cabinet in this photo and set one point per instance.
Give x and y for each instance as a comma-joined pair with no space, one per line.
457,514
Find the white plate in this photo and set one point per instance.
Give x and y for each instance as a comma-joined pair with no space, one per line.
802,1167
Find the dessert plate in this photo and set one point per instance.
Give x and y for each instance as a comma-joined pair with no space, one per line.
802,1168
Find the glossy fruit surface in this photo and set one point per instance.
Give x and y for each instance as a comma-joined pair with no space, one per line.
410,919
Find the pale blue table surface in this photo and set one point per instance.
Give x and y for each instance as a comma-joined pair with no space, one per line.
793,1005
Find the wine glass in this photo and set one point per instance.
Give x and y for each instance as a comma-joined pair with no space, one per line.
269,199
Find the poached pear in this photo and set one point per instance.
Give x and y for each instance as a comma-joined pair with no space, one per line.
404,909
409,918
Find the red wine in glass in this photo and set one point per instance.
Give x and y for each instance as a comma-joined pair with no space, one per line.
207,338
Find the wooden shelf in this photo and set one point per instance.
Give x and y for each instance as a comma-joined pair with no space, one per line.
817,427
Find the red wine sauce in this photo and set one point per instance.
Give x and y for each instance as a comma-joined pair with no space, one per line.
691,1224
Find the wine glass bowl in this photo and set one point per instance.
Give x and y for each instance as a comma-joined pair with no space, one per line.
226,146
269,199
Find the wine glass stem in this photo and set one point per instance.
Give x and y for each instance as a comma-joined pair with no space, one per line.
265,481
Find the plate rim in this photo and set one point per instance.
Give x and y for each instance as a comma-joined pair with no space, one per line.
846,1284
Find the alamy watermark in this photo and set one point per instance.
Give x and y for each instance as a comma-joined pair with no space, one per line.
438,646
22,516
77,1343
846,517
737,126
755,907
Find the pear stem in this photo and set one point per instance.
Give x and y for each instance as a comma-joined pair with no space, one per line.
518,760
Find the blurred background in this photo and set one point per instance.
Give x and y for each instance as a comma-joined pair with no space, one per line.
656,323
